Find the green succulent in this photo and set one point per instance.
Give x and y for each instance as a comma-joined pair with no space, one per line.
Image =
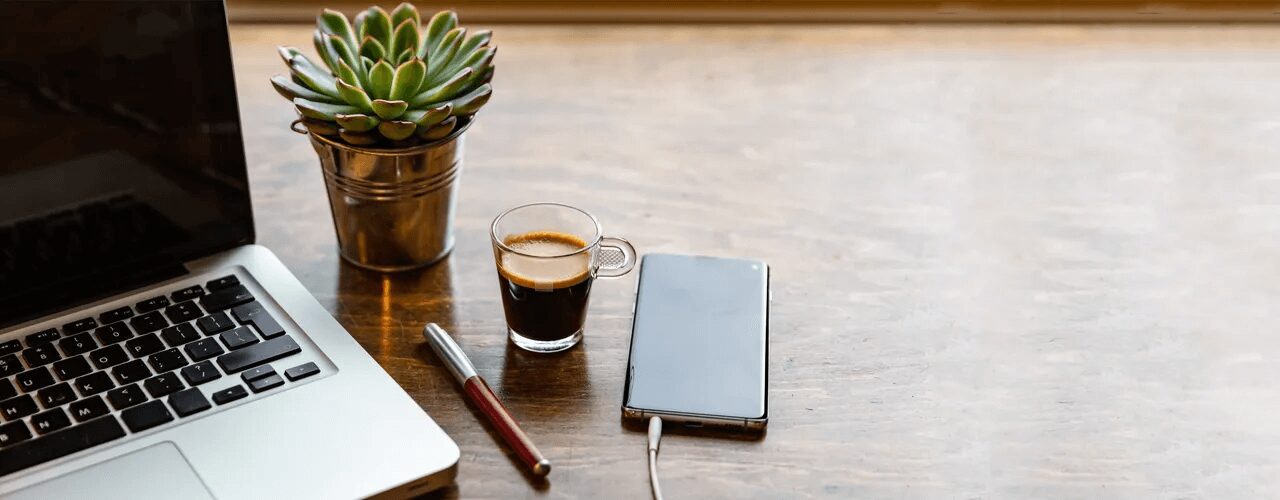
386,82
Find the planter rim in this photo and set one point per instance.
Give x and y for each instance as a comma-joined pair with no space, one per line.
462,126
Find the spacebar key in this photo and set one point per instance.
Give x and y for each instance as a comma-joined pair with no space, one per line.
59,444
258,354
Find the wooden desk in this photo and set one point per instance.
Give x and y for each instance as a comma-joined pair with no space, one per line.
1008,261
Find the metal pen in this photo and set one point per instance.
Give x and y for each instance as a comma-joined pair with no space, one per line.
479,393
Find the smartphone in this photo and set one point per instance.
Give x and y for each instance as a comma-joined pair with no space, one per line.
700,343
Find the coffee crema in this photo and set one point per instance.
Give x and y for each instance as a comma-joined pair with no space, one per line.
541,271
544,293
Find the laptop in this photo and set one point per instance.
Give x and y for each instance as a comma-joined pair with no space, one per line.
148,349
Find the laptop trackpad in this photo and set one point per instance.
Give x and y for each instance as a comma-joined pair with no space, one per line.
158,471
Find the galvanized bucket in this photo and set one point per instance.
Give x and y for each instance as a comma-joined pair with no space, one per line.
392,208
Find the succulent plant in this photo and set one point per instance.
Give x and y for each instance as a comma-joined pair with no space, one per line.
387,83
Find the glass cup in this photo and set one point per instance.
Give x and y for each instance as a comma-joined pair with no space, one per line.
548,254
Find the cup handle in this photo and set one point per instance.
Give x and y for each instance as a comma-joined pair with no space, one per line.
610,269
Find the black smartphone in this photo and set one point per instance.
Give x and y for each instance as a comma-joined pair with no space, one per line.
700,343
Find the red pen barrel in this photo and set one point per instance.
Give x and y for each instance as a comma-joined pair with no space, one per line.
483,397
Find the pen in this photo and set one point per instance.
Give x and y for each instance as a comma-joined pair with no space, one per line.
479,393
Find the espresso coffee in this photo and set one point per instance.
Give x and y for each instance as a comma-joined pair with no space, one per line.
545,298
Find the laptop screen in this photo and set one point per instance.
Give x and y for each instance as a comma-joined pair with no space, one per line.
120,148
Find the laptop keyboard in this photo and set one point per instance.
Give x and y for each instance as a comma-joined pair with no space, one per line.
130,369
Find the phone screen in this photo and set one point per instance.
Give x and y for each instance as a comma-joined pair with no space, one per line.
699,341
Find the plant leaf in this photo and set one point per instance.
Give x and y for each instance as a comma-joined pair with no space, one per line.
326,55
404,39
287,53
380,77
322,111
358,138
372,48
314,78
346,73
428,117
407,79
377,24
290,90
439,131
389,110
341,49
477,61
355,96
320,127
397,130
444,54
444,91
358,122
335,23
441,23
473,101
403,12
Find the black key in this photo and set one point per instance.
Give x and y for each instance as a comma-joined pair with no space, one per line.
152,304
227,297
108,356
56,395
215,323
115,332
133,371
77,344
77,326
161,385
185,311
15,408
49,421
258,354
9,365
223,282
144,345
188,402
203,349
94,383
10,347
7,390
35,378
180,334
126,396
14,432
229,394
253,314
42,354
86,409
72,367
200,373
164,361
43,337
146,416
240,337
257,373
148,323
270,382
59,444
115,315
187,293
301,371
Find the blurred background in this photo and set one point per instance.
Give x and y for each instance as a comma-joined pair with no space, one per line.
711,11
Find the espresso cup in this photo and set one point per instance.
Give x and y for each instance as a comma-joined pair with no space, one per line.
548,255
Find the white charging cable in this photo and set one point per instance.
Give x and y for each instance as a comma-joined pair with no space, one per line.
655,438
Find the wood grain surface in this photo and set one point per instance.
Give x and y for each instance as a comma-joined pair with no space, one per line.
1008,261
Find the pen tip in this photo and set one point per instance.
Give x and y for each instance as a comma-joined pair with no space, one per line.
542,468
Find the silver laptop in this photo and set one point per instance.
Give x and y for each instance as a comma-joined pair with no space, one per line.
147,348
